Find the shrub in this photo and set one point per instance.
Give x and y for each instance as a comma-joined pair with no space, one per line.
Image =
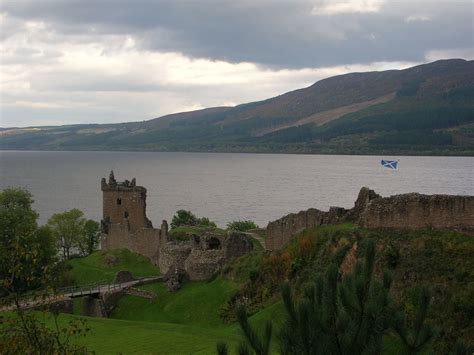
241,226
187,218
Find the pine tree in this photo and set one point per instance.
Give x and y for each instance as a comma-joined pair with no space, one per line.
260,345
338,317
221,349
418,335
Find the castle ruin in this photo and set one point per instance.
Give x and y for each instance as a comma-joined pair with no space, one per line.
125,225
405,211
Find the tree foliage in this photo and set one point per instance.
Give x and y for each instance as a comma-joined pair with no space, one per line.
415,335
25,249
242,226
187,218
338,317
27,270
91,237
74,233
260,344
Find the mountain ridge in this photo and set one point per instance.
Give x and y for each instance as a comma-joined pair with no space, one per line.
426,109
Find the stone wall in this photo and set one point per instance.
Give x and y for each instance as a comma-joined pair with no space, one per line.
280,231
410,211
144,241
93,307
201,257
415,211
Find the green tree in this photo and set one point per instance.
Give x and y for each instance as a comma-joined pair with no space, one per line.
68,230
19,232
187,218
339,317
183,218
90,237
28,263
242,226
417,334
260,344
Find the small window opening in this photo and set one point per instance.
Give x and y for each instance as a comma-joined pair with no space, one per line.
125,214
213,243
119,201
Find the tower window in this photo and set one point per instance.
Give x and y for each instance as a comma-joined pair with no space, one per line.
125,214
119,201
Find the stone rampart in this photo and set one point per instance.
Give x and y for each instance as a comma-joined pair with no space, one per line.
415,211
406,211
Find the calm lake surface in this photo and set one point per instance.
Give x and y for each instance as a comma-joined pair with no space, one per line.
226,187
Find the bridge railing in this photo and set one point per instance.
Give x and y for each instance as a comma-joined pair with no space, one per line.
88,289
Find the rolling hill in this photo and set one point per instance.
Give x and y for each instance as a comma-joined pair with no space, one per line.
426,109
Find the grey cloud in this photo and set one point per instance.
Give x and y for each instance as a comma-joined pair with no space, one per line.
280,34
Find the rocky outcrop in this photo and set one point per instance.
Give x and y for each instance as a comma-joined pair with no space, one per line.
410,211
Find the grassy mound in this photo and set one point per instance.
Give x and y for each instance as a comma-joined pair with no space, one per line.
103,265
196,303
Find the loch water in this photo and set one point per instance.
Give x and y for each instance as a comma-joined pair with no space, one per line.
226,187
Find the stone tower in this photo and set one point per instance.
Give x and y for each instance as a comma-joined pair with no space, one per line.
124,223
124,203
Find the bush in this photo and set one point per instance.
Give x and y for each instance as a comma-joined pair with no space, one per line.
241,226
187,218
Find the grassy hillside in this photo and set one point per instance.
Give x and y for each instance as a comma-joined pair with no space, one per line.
440,260
194,304
186,322
427,109
103,265
200,314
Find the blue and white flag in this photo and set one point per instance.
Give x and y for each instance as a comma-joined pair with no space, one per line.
390,164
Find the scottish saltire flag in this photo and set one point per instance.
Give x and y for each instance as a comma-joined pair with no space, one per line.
390,164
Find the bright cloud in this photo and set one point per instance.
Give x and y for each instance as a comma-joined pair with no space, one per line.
418,18
334,7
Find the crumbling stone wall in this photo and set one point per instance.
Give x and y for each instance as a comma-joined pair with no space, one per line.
280,231
201,257
415,211
410,211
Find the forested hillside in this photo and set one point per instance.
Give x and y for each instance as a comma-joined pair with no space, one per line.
427,109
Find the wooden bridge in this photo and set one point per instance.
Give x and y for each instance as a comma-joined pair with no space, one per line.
69,292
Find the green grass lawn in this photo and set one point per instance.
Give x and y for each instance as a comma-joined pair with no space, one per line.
198,336
98,266
183,322
196,303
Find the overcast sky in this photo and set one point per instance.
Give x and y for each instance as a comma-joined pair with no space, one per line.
103,61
